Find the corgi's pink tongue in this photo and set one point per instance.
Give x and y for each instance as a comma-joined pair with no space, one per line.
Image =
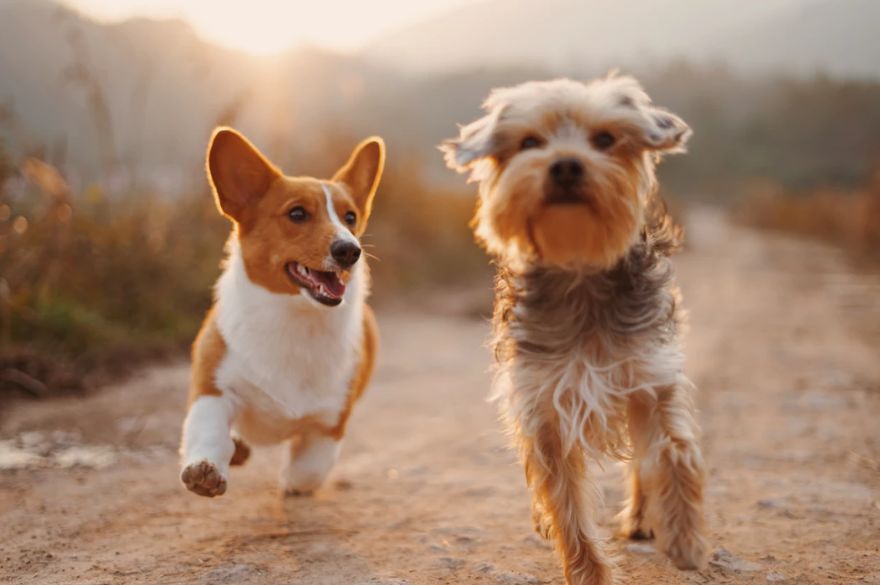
325,287
331,282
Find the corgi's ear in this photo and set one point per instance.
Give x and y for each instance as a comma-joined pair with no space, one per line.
363,171
238,172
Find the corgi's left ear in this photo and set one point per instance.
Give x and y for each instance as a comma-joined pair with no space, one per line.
363,171
239,173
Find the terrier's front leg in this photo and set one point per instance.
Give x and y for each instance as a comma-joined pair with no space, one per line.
207,446
565,506
671,472
307,462
633,523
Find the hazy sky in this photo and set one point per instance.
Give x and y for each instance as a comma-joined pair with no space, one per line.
267,26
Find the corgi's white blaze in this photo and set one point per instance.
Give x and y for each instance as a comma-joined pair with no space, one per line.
206,432
311,465
287,355
342,232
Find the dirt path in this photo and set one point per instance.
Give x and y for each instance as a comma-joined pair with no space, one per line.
783,346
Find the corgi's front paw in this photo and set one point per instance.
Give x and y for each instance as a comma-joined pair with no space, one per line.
204,478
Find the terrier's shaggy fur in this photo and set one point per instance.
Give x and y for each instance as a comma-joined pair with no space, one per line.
587,316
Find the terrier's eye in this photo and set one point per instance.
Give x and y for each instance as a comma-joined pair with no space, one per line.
529,142
604,140
298,214
350,218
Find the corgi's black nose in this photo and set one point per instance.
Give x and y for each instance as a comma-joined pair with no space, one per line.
567,171
345,253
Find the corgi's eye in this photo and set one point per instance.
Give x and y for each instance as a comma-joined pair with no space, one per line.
604,140
298,214
530,142
350,218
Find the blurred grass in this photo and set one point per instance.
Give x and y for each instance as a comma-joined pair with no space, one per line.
92,283
849,219
420,235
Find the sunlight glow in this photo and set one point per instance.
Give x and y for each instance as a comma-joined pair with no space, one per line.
268,26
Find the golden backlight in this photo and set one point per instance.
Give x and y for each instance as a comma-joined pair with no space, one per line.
264,27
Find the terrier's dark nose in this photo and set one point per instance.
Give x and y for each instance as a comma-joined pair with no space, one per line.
345,253
567,171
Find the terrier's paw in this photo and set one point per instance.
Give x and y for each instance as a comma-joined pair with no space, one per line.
634,529
590,572
204,479
687,551
632,526
541,522
640,534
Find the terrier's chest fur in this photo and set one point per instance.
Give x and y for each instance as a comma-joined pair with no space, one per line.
581,343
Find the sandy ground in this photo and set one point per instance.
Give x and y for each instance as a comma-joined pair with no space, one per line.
783,346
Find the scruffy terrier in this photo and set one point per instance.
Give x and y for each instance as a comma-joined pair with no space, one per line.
587,314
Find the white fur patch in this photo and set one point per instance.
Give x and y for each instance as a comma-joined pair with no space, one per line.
287,355
342,232
311,465
206,432
588,394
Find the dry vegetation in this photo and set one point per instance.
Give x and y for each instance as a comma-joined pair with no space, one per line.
847,218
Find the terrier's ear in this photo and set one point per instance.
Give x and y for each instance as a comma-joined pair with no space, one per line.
363,171
238,172
474,143
663,131
654,128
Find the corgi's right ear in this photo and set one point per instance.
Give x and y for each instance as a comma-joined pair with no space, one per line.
238,172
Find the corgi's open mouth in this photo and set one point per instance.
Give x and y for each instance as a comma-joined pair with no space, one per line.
325,287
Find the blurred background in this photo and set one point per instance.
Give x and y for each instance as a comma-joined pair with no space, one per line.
109,241
110,245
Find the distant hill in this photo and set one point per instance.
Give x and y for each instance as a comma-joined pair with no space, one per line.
134,102
147,93
841,37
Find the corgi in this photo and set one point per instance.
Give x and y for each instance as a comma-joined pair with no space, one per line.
290,342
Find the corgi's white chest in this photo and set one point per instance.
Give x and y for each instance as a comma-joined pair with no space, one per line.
287,355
